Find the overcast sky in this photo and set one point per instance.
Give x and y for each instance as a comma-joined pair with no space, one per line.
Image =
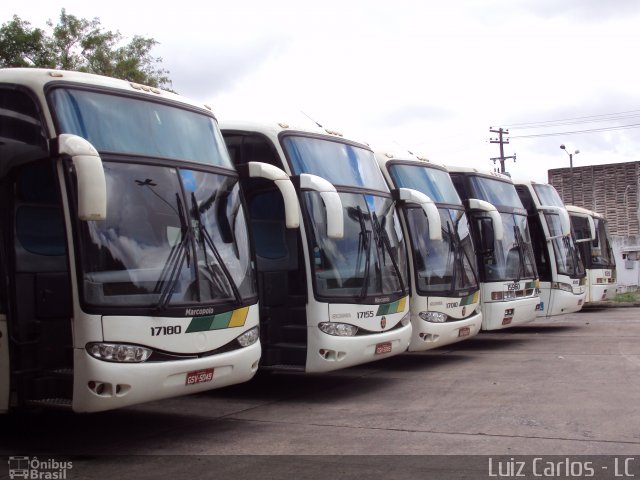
427,76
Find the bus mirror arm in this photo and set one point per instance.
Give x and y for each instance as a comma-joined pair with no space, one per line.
429,208
498,229
283,182
565,221
592,227
92,183
331,199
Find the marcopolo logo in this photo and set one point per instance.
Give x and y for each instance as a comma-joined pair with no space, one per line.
192,312
32,468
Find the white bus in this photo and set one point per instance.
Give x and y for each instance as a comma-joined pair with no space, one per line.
445,294
509,286
560,268
595,248
335,292
125,259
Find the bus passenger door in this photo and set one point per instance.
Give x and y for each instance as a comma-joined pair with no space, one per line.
40,294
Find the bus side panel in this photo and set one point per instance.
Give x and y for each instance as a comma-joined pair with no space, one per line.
546,299
4,365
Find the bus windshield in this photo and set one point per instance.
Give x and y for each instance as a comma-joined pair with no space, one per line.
171,237
370,260
547,195
568,260
130,125
512,258
340,163
497,192
433,182
444,267
601,251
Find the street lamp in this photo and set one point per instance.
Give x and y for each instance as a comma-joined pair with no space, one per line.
570,169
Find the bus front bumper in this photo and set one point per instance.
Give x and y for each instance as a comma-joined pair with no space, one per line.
100,385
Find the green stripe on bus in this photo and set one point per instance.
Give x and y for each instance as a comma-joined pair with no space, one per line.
201,324
221,321
469,299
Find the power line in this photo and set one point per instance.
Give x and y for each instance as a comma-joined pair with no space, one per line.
576,120
578,132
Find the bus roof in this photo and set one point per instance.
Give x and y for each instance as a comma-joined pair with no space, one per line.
273,129
386,156
583,211
486,173
38,78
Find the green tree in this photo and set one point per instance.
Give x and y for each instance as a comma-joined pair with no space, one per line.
82,45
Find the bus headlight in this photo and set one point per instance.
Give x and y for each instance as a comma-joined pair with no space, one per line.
338,329
433,317
249,337
404,321
119,352
562,286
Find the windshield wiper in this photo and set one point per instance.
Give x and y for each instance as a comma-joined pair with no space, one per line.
364,243
170,274
206,240
382,234
522,252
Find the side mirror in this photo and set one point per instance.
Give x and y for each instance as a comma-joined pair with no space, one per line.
487,235
580,221
283,182
429,208
331,199
497,228
92,183
565,221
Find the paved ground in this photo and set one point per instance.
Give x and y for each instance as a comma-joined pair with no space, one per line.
568,387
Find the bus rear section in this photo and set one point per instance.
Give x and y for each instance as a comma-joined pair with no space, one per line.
124,248
594,243
335,292
445,293
509,286
560,268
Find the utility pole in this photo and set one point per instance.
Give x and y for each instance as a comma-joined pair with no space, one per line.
502,141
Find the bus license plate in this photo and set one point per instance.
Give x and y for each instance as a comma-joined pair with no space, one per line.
199,376
464,332
384,347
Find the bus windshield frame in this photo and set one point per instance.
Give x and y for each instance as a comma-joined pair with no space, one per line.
175,239
369,264
446,267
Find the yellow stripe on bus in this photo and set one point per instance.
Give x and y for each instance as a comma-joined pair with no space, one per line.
239,317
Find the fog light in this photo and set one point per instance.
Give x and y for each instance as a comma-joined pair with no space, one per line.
433,317
118,352
338,329
249,337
